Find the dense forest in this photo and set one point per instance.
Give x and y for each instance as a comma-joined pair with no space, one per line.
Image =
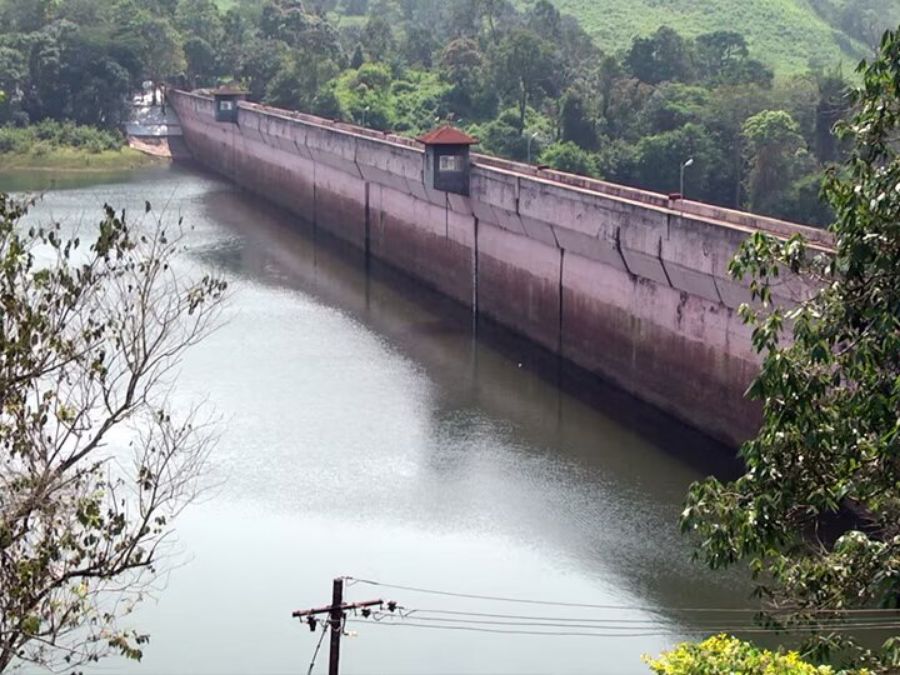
528,81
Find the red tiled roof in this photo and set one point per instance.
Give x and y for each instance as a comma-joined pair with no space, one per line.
447,135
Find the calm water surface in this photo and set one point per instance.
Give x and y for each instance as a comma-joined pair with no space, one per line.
368,432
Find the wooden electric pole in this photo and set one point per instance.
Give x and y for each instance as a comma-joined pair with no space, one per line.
337,612
337,625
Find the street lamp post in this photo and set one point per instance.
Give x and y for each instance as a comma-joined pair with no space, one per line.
530,139
684,165
365,115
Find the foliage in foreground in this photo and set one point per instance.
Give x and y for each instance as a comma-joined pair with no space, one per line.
817,514
94,463
725,655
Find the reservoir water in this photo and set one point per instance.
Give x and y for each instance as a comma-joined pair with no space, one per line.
372,429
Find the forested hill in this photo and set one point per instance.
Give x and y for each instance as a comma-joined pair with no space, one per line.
788,35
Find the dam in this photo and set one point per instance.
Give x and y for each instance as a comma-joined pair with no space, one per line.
629,285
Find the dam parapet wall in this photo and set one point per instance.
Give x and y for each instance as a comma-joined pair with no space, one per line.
628,284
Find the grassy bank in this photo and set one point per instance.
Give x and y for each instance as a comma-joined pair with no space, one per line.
77,159
56,146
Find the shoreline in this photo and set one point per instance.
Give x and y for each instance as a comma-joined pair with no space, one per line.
70,160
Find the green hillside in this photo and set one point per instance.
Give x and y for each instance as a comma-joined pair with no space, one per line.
786,34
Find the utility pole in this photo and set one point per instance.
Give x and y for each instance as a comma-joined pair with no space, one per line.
337,612
337,625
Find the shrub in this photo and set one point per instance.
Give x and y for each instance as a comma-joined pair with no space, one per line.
567,156
40,139
41,149
12,140
725,655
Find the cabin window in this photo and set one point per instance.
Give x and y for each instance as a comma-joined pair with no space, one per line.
450,163
226,106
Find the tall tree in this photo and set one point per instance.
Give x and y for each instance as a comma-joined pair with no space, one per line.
663,56
576,124
776,155
833,106
817,512
524,69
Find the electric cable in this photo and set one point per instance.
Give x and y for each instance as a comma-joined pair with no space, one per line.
637,634
529,601
612,625
825,621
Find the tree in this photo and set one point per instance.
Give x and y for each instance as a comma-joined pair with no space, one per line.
664,56
284,20
570,158
365,95
358,57
776,155
157,43
378,38
12,74
502,137
97,86
816,514
418,46
672,105
298,81
524,70
545,20
730,108
660,156
94,465
234,37
261,61
722,57
200,58
199,19
27,16
461,66
833,106
575,122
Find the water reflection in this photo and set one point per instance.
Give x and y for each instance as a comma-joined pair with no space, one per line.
373,430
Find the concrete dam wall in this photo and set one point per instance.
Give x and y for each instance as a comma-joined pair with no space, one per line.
624,283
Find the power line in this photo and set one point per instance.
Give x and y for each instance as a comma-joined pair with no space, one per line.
613,625
524,617
529,601
563,620
617,634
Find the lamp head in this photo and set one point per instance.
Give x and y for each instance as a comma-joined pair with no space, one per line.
689,162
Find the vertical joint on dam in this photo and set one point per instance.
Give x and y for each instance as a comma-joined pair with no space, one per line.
368,224
562,265
475,268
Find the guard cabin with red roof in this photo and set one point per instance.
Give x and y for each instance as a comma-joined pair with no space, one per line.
447,159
